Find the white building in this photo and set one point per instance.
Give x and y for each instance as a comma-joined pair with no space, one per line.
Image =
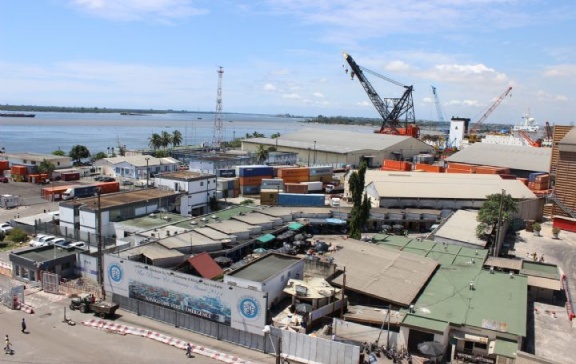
136,167
198,187
60,162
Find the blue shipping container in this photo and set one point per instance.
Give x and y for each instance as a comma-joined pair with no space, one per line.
317,171
254,171
532,176
296,199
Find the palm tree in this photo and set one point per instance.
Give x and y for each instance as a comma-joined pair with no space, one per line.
176,138
262,153
46,167
166,139
155,141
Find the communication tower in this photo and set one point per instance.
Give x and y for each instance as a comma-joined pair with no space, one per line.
217,139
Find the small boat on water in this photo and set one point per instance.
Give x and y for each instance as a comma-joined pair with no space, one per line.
132,113
17,115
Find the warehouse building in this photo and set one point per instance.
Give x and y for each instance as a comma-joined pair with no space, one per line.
342,148
563,172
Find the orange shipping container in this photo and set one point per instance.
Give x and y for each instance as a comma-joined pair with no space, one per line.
296,179
108,187
428,168
21,170
252,181
294,172
457,170
464,166
295,188
4,166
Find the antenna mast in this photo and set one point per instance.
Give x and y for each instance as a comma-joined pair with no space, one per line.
218,125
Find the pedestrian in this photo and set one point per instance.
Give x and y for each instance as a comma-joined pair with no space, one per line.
23,325
542,259
7,345
189,350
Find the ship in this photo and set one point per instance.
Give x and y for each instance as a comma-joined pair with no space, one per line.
528,124
17,115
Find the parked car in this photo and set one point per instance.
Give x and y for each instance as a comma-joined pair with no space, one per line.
108,179
6,228
57,241
127,183
42,240
72,244
98,178
4,179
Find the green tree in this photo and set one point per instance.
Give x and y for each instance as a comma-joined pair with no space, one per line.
46,167
495,205
59,153
18,235
257,135
166,139
262,153
79,152
176,138
155,141
275,135
361,208
161,154
100,155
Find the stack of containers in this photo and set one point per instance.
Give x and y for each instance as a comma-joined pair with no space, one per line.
322,174
539,182
251,178
291,199
4,166
269,191
229,187
294,175
19,173
460,168
394,165
276,169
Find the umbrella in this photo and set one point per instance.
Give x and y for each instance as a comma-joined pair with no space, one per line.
223,260
304,308
432,348
321,246
260,251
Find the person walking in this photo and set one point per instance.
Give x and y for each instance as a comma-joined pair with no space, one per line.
23,325
7,345
189,350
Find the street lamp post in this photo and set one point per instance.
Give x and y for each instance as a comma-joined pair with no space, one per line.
100,255
314,152
147,172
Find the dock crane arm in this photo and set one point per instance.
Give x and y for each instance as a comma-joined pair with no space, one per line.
489,111
390,109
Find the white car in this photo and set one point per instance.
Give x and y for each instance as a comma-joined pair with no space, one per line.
5,227
42,240
71,244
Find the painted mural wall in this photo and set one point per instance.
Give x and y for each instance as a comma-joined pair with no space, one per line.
241,308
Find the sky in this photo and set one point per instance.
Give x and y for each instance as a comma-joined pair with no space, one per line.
285,56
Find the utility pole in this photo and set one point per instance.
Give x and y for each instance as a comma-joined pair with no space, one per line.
499,226
218,125
100,255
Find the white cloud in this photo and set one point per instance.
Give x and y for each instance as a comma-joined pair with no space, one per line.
133,10
269,87
563,70
397,66
291,96
545,96
318,94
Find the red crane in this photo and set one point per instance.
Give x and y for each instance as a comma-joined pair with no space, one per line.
531,142
474,127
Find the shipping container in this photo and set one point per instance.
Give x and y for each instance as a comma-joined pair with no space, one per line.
278,168
253,181
227,173
532,176
294,172
326,170
294,199
55,193
314,187
295,188
70,176
394,165
34,178
462,166
458,170
326,178
254,171
108,187
269,197
272,183
250,190
4,165
428,168
18,169
296,179
32,169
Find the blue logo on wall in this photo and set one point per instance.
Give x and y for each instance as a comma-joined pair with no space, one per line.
249,307
115,272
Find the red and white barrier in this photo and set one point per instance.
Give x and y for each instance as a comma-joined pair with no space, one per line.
180,344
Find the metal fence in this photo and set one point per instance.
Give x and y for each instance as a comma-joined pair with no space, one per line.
294,345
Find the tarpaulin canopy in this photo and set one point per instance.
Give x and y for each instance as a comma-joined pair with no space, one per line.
295,226
266,238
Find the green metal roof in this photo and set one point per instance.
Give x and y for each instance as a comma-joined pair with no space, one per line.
540,270
505,348
295,226
266,238
425,323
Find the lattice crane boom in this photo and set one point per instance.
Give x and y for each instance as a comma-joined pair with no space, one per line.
489,111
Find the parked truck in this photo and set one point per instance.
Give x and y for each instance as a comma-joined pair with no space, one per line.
314,187
86,302
90,190
334,188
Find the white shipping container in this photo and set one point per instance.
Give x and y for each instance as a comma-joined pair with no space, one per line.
315,186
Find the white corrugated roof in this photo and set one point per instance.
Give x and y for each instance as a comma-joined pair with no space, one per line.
336,141
461,226
508,156
444,185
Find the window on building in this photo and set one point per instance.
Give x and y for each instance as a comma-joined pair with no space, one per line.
201,183
468,345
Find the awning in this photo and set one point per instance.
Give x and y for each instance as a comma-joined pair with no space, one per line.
546,283
335,221
425,324
295,226
266,238
476,338
503,348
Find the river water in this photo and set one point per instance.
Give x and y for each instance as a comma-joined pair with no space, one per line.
50,131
